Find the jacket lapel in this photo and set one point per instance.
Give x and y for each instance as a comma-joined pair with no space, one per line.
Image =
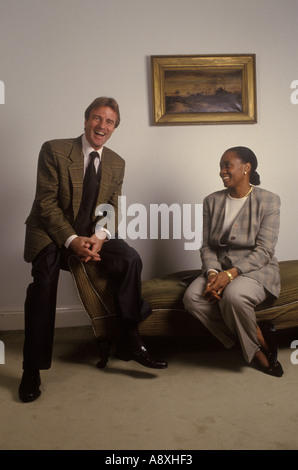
218,217
246,219
76,173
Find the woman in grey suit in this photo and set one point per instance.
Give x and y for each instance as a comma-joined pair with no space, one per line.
239,269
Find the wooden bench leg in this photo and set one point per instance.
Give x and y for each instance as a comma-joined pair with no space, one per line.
103,346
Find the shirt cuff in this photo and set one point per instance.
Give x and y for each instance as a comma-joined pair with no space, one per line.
99,234
69,240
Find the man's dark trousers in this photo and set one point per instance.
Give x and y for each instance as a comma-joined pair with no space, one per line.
124,267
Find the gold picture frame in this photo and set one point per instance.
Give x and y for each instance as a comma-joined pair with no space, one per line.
204,89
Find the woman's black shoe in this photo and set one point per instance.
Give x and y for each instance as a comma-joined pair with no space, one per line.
276,370
267,330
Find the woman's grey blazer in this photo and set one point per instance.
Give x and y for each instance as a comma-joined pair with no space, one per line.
250,244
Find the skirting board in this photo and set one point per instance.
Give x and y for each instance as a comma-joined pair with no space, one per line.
65,317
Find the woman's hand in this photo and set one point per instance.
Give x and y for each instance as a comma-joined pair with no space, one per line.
217,282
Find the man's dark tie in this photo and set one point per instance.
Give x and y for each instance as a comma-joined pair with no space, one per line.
83,222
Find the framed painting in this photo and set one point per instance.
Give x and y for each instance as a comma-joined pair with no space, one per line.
204,89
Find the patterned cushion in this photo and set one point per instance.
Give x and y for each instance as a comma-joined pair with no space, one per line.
284,311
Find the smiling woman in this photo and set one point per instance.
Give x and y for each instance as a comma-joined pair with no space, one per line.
239,269
238,170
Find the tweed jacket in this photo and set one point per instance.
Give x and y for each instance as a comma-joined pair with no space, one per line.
250,244
59,189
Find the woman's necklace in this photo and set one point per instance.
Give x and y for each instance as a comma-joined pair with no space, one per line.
248,192
242,196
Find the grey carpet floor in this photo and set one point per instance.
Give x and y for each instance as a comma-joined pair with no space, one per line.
207,399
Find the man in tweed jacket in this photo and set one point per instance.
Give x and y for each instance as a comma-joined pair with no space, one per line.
52,231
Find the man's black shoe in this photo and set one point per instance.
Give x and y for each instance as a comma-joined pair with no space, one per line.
29,386
142,356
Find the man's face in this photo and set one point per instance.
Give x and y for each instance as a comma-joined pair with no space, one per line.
100,126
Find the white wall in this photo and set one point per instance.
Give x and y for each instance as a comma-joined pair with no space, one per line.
57,55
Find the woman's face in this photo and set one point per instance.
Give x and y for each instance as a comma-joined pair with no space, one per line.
232,170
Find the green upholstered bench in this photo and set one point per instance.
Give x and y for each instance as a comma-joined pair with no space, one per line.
165,295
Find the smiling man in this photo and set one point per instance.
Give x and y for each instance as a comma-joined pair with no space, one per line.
74,177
